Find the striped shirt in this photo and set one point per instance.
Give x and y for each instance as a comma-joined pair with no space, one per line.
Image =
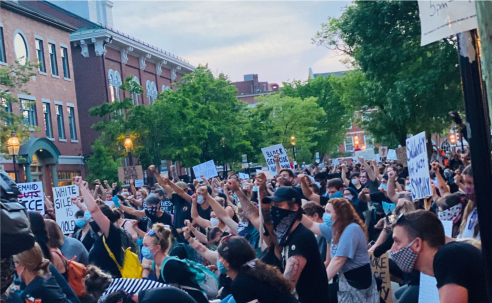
130,286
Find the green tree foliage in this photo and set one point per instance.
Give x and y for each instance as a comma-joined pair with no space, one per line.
101,164
336,119
402,87
12,80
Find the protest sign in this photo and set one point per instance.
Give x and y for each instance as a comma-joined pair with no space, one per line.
367,154
378,158
33,196
443,19
164,172
128,173
418,167
243,176
380,268
278,149
244,161
401,155
317,157
383,151
428,292
206,169
335,162
267,173
391,155
64,209
139,183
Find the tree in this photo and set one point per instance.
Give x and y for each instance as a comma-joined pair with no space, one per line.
101,164
12,80
402,88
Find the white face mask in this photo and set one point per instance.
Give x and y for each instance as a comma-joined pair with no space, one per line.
214,222
354,181
199,200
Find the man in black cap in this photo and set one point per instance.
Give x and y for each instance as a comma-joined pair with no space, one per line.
301,258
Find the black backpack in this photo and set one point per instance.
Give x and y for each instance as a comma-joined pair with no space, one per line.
16,229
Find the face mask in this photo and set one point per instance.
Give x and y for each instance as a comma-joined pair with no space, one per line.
282,220
349,197
363,181
221,267
256,188
214,221
470,193
338,194
199,200
190,193
152,210
319,184
408,187
146,253
451,214
327,219
383,186
405,258
87,215
388,207
80,222
354,181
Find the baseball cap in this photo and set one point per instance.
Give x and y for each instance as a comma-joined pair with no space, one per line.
284,194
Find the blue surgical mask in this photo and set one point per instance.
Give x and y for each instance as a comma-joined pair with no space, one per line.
146,253
354,181
221,267
87,215
80,222
408,187
199,200
327,219
338,194
383,186
256,188
317,183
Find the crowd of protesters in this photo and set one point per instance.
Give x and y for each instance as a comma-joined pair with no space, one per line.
304,236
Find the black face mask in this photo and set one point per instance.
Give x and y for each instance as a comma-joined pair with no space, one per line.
152,210
283,220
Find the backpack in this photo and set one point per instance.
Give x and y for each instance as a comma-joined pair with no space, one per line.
206,279
76,272
126,239
16,229
131,269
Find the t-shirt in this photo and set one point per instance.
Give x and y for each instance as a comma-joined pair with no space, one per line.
312,285
322,247
99,255
357,189
74,248
353,245
246,288
372,185
379,197
87,240
171,295
45,288
182,210
165,219
167,206
462,264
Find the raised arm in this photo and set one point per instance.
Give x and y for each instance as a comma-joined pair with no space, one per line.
132,188
311,225
364,195
210,256
128,210
108,188
458,179
194,212
135,227
308,192
205,180
174,174
391,187
443,187
219,210
267,216
276,159
367,167
96,213
251,211
346,181
76,201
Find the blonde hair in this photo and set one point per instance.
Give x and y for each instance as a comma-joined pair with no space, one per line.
162,236
55,234
472,241
34,261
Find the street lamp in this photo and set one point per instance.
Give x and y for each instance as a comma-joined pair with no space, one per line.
356,141
293,142
224,168
13,146
128,147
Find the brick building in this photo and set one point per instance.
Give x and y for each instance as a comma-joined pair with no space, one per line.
251,88
54,154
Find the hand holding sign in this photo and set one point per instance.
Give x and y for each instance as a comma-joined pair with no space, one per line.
435,166
276,158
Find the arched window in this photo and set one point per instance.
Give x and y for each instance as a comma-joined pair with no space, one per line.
110,82
151,91
164,87
116,84
135,95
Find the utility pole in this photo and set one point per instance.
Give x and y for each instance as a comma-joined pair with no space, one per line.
484,20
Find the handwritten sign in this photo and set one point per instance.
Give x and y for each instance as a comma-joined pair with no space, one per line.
243,176
64,209
380,267
130,173
418,167
268,153
267,173
383,151
428,292
391,155
367,154
139,183
401,155
33,196
441,19
207,169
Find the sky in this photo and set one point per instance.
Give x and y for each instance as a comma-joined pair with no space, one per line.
271,39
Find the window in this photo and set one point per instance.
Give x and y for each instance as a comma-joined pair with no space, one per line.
368,141
134,95
71,123
151,91
47,120
28,110
54,66
264,87
20,47
8,108
66,68
349,144
59,120
2,47
40,53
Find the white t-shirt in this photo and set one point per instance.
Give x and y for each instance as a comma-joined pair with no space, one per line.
471,221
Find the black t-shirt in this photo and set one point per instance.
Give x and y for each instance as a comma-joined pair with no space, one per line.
357,189
45,288
99,255
172,295
165,219
246,288
204,213
312,285
182,210
462,264
322,247
88,240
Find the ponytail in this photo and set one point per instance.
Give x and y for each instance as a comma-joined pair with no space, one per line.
162,236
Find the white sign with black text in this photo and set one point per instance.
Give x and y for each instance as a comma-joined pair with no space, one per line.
418,167
64,209
207,169
32,196
269,152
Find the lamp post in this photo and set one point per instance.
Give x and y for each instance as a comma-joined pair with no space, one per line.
224,168
128,147
293,142
13,146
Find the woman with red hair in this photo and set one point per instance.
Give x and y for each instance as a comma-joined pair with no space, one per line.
349,257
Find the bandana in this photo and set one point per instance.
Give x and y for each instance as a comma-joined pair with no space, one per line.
283,220
451,214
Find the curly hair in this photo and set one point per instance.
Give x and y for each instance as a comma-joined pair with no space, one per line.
96,281
346,214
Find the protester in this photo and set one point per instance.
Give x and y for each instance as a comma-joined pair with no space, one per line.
84,234
252,279
316,213
469,226
459,268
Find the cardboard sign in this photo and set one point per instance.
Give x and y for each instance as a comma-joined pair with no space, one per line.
380,267
207,169
130,173
266,172
418,167
64,209
268,153
243,176
445,18
139,183
33,196
367,154
383,151
401,155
